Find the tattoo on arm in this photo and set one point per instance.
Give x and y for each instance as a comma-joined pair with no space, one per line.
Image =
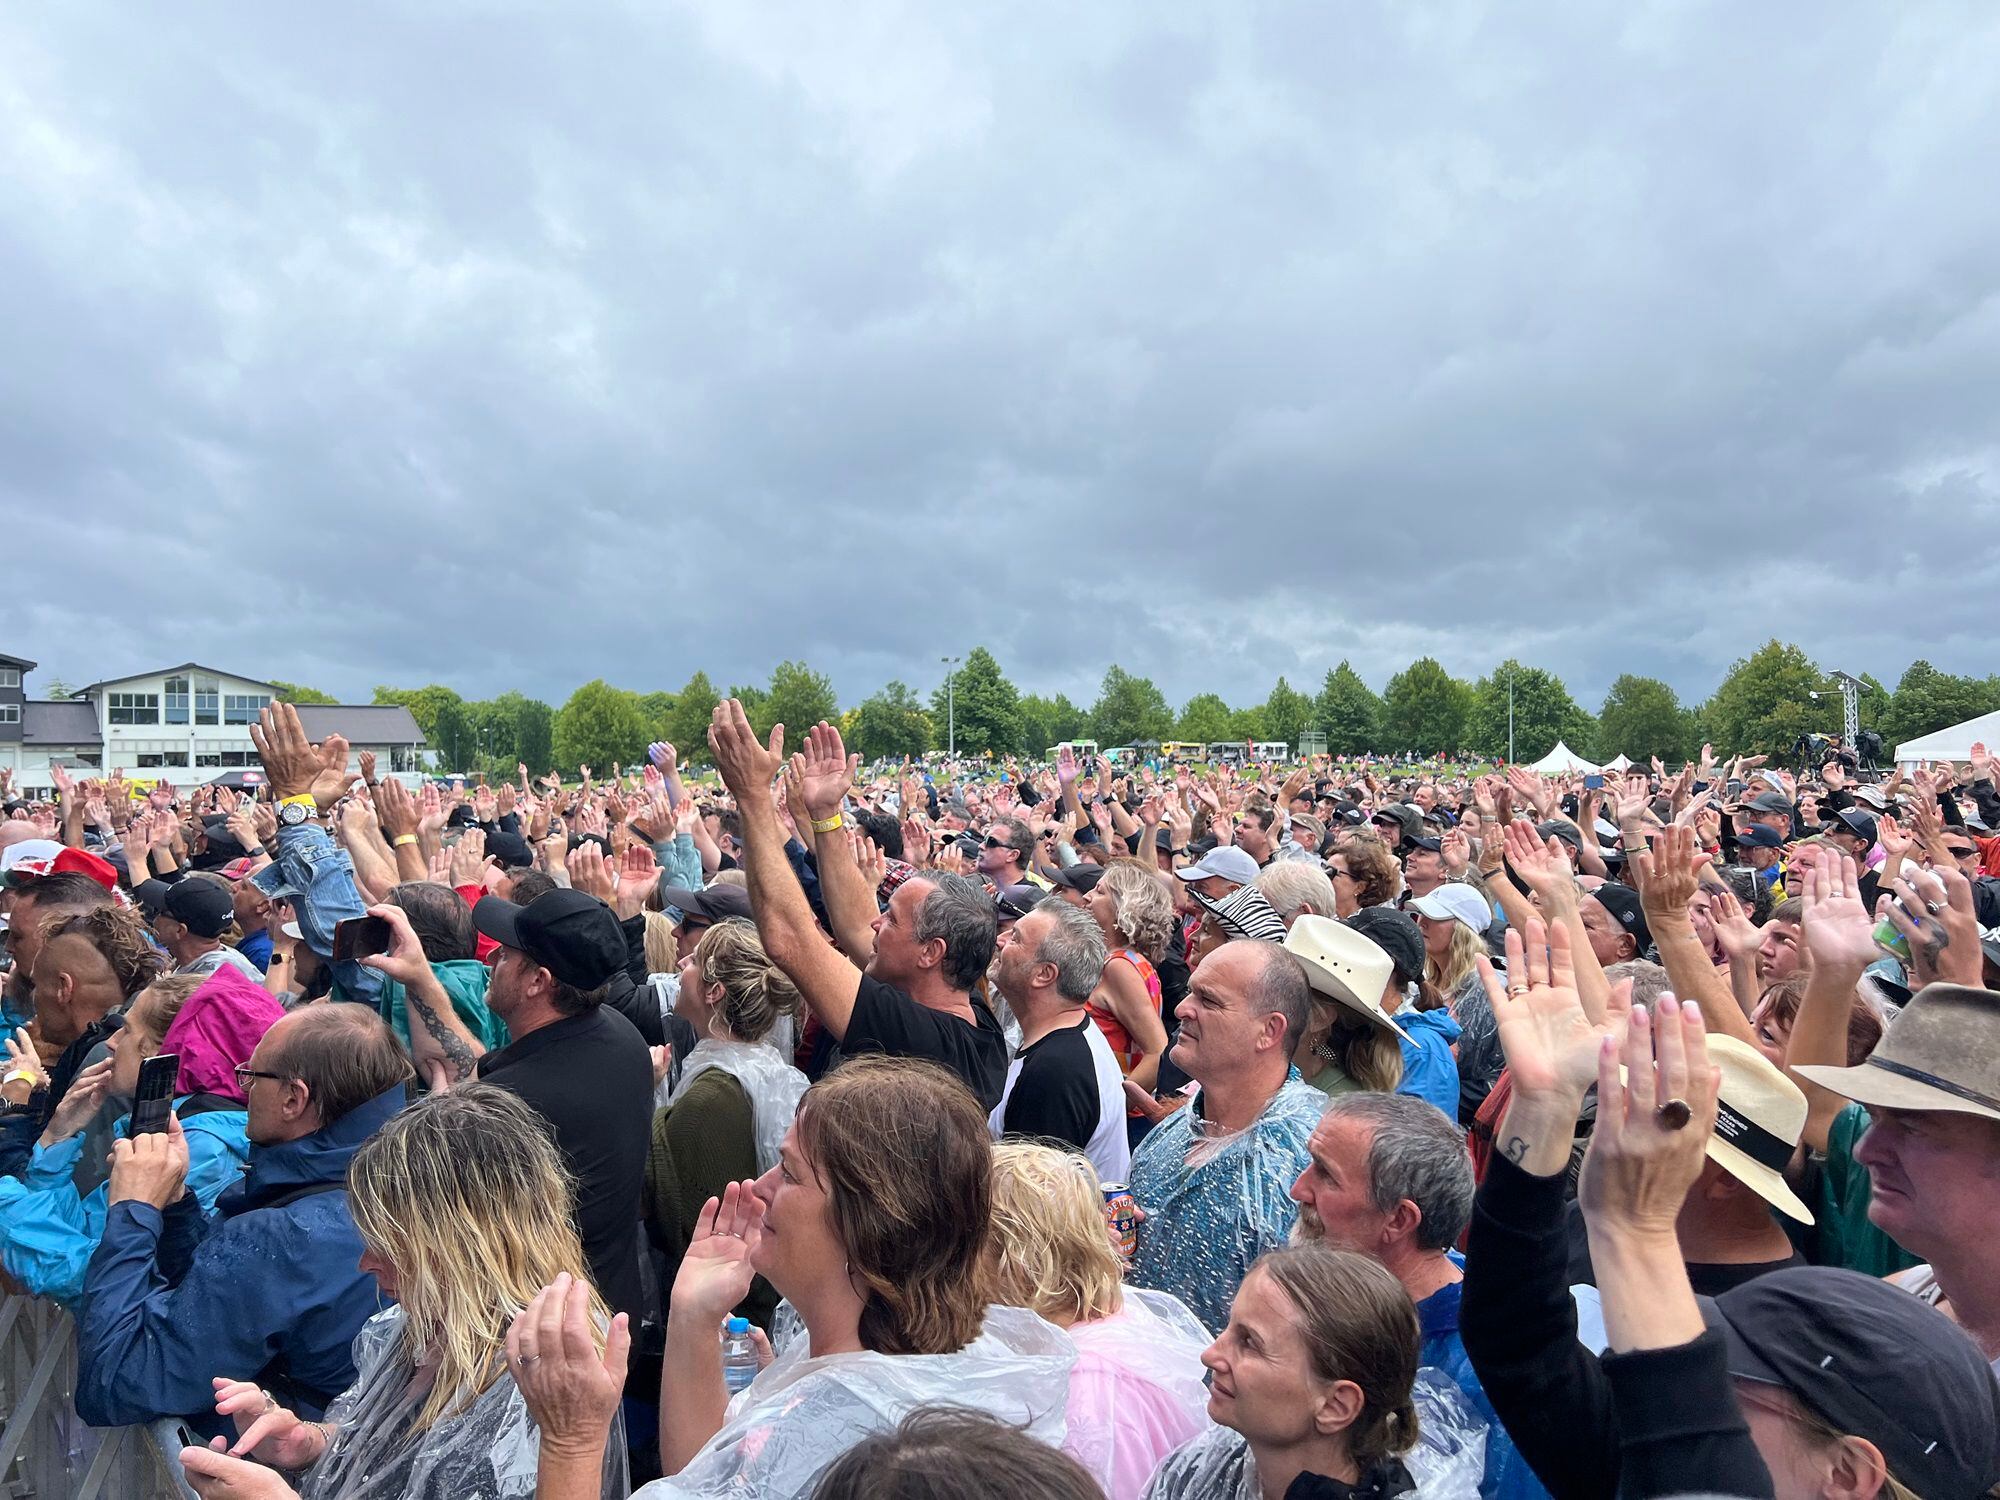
1514,1149
458,1057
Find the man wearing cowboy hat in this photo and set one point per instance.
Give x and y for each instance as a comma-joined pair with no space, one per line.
1932,1091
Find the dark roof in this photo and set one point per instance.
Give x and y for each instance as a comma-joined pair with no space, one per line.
17,661
186,666
69,722
361,723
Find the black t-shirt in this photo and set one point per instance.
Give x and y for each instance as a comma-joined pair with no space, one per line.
1708,1278
888,1021
1056,1094
591,1078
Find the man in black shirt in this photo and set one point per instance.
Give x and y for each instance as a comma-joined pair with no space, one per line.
1064,1084
581,1064
923,954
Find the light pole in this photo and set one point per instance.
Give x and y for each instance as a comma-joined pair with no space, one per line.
951,703
1510,715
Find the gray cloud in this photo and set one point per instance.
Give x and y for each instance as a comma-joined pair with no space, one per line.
512,349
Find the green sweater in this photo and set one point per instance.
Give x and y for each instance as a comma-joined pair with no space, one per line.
702,1142
464,979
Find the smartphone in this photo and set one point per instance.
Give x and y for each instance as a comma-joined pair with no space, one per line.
1592,782
155,1093
360,937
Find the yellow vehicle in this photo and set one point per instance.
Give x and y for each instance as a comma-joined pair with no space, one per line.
1184,750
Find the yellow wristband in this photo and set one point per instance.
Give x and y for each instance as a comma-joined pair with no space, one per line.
404,838
827,825
303,799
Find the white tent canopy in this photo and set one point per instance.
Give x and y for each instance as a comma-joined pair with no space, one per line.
1954,743
1623,763
1562,761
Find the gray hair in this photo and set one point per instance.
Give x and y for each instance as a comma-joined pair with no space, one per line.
1414,1152
959,911
1280,987
1075,945
1291,885
1649,980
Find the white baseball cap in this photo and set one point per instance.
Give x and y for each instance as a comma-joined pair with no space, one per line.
1226,860
1455,901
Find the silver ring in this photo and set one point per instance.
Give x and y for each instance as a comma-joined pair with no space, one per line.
1933,907
1517,989
528,1359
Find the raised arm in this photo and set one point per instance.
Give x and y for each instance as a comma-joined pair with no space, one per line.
824,774
785,922
1668,875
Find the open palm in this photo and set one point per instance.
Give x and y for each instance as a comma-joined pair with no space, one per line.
716,1273
1550,1042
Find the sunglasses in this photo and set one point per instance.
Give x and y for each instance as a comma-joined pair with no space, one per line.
1959,853
997,843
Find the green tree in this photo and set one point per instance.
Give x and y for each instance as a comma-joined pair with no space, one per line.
1246,725
533,740
1348,713
293,693
752,698
798,698
983,704
599,725
1288,713
1049,721
891,723
1642,718
57,690
1129,709
1544,713
1927,699
1766,702
1205,720
1424,709
659,711
424,704
687,725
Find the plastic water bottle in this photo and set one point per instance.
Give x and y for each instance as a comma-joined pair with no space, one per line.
739,1355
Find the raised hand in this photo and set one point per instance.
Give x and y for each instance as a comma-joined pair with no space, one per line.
716,1272
638,875
1539,862
868,857
1551,1045
571,1390
1738,935
293,765
825,771
367,759
1669,873
1839,932
468,858
150,1168
1638,1171
591,873
748,767
1944,938
1457,850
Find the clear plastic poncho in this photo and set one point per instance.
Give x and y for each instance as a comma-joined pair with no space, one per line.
773,1084
1139,1390
488,1452
801,1414
1447,1463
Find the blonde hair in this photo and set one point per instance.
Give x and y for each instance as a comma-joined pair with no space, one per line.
1447,975
162,999
1291,885
1051,1251
662,948
1140,906
465,1194
1368,1054
755,991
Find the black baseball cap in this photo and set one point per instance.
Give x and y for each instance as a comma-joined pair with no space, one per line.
1623,904
202,906
718,903
1081,877
574,936
1874,1362
510,849
1430,844
1761,836
1015,902
1851,820
1396,934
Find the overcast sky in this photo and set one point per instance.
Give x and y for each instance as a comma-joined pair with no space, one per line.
509,348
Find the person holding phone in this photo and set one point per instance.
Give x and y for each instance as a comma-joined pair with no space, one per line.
201,1029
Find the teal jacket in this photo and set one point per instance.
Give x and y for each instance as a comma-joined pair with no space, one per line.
48,1231
464,979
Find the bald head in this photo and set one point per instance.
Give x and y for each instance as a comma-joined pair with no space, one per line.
75,985
16,831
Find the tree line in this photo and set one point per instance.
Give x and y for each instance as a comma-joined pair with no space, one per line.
1762,704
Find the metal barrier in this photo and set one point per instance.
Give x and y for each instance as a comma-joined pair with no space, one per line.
46,1450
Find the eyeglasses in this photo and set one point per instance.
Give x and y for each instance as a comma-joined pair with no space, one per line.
1959,853
244,1073
1337,874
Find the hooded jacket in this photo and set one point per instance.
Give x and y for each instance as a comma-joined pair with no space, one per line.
266,1289
1429,1069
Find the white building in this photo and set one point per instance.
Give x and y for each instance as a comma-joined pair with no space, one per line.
188,724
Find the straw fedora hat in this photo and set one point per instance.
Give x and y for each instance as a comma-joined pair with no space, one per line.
1343,965
1941,1053
1760,1115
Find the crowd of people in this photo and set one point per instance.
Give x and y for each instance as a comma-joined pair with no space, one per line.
976,1130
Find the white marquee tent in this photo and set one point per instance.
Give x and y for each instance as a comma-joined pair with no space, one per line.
1623,763
1562,761
1954,743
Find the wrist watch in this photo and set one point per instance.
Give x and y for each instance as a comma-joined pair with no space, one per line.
291,814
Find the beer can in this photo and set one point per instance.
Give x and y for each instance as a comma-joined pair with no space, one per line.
1121,1212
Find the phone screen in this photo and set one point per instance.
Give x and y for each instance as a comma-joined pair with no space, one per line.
155,1093
1592,782
360,937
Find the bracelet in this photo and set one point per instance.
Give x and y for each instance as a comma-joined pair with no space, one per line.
15,1075
402,839
301,799
827,825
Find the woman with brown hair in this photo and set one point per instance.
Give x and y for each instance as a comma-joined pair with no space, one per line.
874,1225
1364,874
1314,1387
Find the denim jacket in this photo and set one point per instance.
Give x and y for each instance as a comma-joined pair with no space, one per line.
317,877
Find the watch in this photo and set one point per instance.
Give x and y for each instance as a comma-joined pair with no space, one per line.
291,814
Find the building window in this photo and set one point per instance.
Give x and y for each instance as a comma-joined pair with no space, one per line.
177,700
10,713
206,694
135,708
216,760
163,759
10,677
241,708
403,758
